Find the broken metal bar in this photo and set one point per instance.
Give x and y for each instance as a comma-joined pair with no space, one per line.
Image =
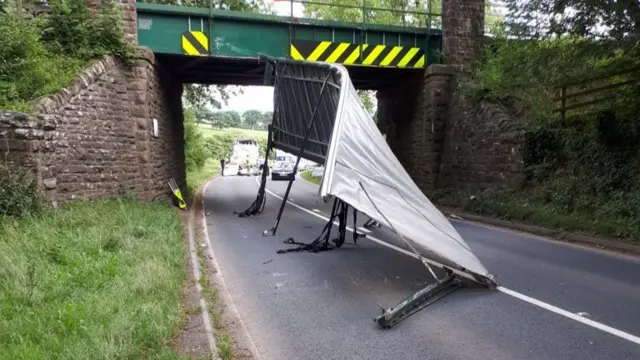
300,153
418,301
320,243
258,204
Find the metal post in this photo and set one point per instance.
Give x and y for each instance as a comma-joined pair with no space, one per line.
429,16
363,32
265,169
300,153
210,25
333,214
258,204
564,103
291,30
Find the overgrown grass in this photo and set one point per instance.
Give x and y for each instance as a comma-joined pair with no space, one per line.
41,54
208,131
581,171
96,280
307,176
30,70
197,177
224,343
531,208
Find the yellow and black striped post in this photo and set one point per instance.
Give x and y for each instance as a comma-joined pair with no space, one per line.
358,54
195,43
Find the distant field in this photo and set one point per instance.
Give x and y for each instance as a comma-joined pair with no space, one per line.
220,141
208,131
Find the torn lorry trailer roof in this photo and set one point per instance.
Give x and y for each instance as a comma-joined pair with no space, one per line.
319,115
362,171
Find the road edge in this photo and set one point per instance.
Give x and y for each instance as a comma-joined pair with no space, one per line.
217,273
550,234
206,317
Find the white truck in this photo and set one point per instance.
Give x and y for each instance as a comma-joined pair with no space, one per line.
243,158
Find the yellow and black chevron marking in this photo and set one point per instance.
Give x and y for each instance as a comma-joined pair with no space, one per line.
195,43
358,54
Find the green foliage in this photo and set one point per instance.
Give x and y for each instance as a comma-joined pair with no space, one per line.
27,69
251,119
307,176
607,221
196,177
96,280
589,18
214,95
582,170
366,97
525,75
42,54
195,151
396,12
234,5
595,156
18,193
70,30
254,119
220,142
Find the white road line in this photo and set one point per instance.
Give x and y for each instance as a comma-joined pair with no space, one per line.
348,228
364,230
608,329
572,316
317,210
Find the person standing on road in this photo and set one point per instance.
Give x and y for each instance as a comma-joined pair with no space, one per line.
222,161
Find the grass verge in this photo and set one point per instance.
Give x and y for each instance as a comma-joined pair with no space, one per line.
307,176
96,280
509,205
210,293
197,177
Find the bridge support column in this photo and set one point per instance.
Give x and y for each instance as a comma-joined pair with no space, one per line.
463,31
414,114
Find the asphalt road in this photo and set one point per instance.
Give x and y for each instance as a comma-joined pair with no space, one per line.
320,306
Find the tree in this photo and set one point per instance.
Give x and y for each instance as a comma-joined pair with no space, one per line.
195,151
589,18
251,118
396,12
214,95
235,120
367,100
493,19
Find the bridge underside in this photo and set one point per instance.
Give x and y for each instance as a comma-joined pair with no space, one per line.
213,70
211,46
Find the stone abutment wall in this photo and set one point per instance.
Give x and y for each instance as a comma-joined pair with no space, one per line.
445,142
442,140
96,138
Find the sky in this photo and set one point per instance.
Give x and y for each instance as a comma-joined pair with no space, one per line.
261,97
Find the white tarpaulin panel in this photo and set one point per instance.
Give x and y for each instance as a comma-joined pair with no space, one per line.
361,170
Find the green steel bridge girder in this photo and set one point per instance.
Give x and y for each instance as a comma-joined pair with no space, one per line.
233,34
